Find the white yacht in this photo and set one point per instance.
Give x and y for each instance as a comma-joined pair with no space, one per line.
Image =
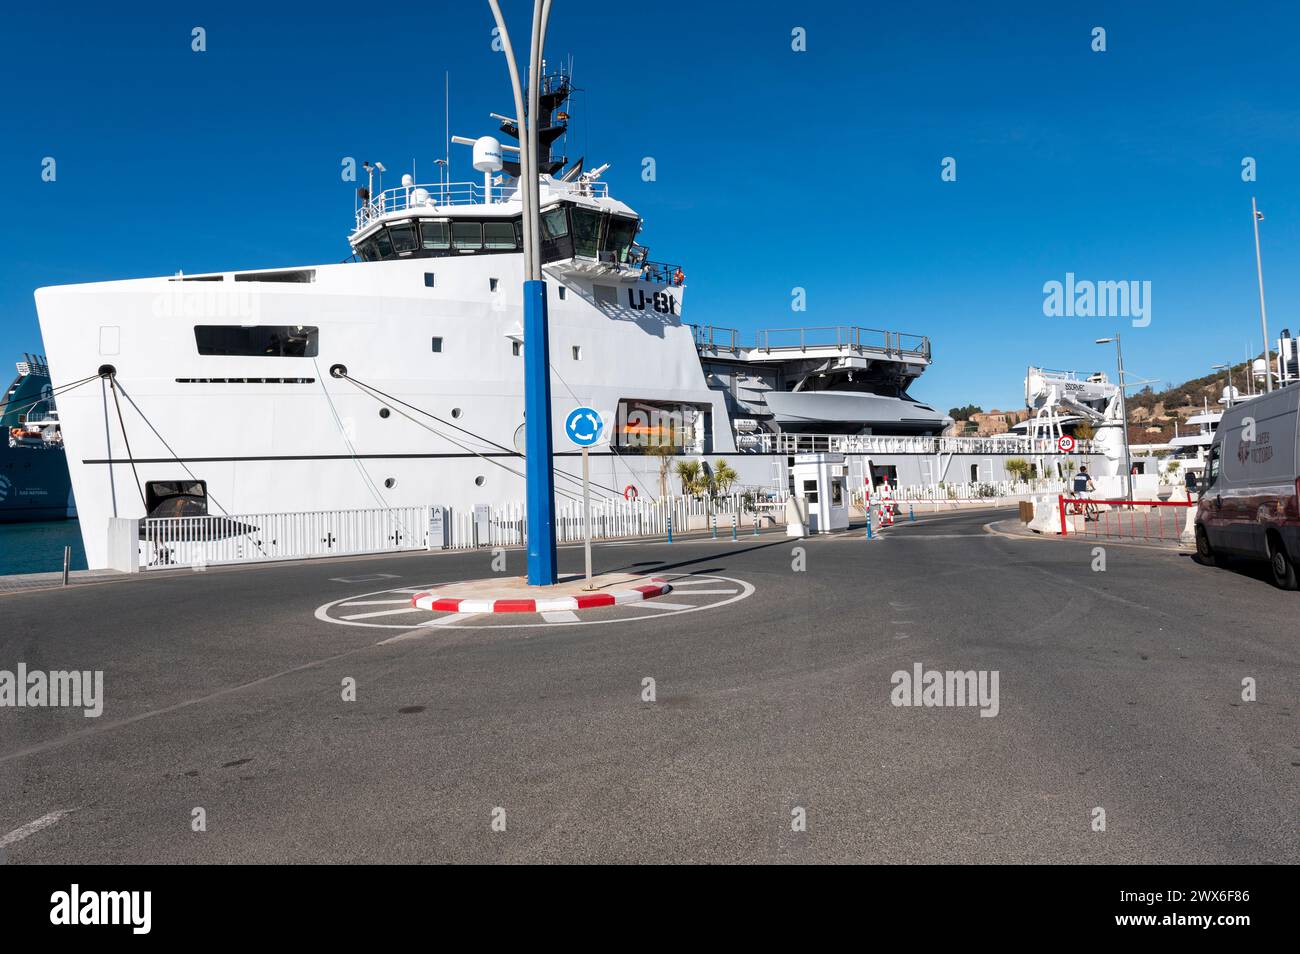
396,378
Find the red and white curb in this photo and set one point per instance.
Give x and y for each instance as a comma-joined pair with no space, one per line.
446,604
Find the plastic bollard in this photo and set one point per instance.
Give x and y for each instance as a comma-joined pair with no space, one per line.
869,534
670,528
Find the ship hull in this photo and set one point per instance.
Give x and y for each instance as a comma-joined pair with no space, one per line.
34,484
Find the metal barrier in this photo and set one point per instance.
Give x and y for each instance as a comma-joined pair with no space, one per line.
168,542
1133,519
250,538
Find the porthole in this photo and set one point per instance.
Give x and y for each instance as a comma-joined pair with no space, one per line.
478,481
384,412
390,482
455,413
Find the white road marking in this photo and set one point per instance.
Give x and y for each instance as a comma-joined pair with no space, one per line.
453,618
424,627
660,604
711,599
369,578
396,612
373,602
709,592
560,616
693,581
31,828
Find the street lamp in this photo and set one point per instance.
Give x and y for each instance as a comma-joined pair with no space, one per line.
538,448
1257,216
1228,368
1123,411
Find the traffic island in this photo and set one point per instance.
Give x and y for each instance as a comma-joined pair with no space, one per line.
514,595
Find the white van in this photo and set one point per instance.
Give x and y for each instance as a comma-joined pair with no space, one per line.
1250,493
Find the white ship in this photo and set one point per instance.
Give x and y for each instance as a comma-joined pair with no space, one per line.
396,378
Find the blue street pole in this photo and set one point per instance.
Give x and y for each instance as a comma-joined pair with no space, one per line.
538,449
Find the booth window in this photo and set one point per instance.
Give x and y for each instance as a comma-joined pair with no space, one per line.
810,491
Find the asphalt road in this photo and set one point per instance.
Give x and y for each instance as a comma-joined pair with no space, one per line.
1119,690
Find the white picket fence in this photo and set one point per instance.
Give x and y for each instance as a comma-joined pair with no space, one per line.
611,518
968,491
979,490
249,538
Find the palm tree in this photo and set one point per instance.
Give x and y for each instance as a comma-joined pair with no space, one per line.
1018,467
694,481
722,478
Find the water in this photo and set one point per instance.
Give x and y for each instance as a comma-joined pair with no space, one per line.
38,547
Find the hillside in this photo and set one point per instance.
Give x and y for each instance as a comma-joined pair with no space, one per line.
1152,414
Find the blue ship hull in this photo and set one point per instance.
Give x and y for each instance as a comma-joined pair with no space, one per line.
34,484
34,480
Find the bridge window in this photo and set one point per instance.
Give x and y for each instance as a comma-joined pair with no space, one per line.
555,224
499,235
274,341
404,238
586,232
619,236
466,236
434,235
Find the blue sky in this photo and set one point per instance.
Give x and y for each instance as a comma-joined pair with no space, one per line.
775,169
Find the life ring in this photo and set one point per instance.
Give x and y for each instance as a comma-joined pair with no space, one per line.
630,493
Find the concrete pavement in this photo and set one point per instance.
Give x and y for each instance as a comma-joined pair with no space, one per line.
1119,690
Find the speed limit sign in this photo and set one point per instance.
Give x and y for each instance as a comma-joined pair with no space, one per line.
1066,443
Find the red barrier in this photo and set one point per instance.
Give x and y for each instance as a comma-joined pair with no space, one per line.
1140,519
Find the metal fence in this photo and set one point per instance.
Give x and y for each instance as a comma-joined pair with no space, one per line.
1148,520
971,492
979,490
611,518
166,542
250,538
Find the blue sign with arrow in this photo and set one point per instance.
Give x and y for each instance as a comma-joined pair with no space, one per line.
584,426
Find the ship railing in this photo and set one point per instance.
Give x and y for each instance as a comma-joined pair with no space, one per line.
714,338
844,338
883,444
210,540
662,273
432,197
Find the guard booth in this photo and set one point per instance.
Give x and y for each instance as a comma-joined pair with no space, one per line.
820,480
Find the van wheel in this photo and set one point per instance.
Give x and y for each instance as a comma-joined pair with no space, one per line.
1204,553
1283,569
